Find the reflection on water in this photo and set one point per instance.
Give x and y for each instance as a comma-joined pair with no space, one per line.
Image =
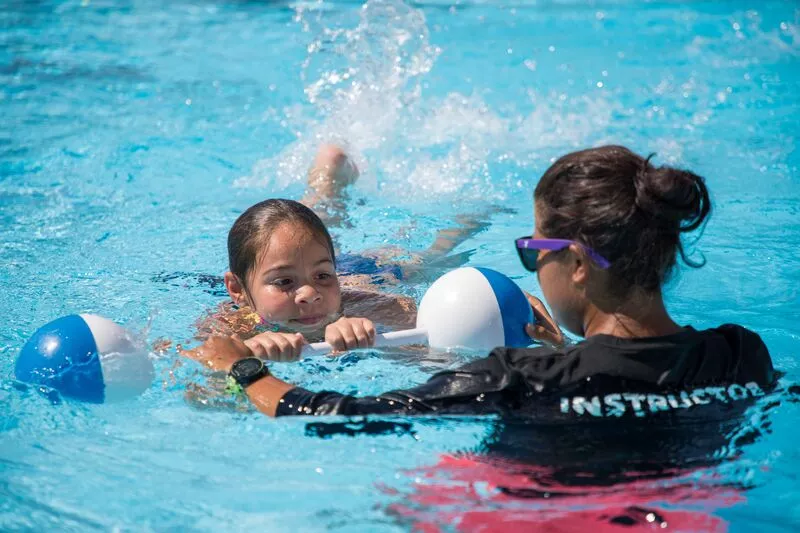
670,472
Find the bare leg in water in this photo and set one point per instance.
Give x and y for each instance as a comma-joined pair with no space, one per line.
332,171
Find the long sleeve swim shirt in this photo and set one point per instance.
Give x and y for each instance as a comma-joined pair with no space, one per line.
601,377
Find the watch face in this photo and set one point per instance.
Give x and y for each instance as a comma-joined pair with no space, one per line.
246,367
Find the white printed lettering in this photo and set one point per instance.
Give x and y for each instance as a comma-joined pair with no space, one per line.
616,404
719,392
657,403
697,399
582,405
636,402
686,401
737,392
565,405
754,389
616,407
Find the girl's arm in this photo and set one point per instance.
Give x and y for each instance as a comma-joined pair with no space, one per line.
219,354
228,320
429,264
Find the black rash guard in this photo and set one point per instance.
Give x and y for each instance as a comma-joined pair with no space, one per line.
601,377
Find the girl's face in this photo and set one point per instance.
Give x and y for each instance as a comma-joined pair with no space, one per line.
294,281
556,274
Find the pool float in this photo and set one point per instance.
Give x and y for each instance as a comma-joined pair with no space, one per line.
92,359
86,357
474,308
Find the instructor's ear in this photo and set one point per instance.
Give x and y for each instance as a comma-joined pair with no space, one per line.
235,288
580,264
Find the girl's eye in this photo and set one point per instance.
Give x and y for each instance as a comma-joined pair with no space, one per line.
282,283
324,276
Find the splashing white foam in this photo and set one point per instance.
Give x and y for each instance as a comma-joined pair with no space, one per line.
364,87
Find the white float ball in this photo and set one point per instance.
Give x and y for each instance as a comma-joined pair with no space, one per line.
476,308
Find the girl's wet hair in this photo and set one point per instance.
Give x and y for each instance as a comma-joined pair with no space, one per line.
628,210
252,231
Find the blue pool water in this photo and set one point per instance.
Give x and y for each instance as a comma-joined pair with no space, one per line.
133,133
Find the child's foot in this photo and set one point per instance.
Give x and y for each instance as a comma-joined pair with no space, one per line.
331,171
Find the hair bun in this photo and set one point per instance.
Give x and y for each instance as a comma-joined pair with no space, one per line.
672,197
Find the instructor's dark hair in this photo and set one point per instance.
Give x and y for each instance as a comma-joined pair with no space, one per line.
629,211
251,232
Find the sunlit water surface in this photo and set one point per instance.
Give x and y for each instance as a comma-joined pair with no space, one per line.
133,133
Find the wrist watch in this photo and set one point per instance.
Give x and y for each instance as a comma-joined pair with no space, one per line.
247,371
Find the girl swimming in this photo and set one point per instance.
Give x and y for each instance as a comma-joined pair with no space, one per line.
607,235
283,268
285,278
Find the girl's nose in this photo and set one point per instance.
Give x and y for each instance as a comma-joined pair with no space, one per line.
308,295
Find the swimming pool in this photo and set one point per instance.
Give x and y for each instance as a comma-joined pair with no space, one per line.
134,132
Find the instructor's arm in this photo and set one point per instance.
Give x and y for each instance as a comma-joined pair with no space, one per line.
219,353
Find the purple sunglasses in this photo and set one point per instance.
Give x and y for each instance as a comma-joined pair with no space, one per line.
528,250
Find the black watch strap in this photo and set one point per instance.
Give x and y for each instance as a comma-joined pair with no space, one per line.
247,371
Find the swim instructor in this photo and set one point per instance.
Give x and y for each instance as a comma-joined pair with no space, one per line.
608,228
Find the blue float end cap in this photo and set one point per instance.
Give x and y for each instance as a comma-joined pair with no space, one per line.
515,310
63,355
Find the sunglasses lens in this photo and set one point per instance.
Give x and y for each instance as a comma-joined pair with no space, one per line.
529,257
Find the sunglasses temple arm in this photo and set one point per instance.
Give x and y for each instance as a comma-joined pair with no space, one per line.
597,258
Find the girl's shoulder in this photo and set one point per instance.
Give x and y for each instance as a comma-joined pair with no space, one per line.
391,310
228,319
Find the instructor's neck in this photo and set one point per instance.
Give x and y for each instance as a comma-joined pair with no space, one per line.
640,315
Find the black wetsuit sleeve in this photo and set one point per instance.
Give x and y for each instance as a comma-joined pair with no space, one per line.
751,358
484,386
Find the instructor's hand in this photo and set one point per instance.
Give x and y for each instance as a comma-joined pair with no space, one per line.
545,328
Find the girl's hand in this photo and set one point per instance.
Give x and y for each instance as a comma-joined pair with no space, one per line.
350,333
545,329
277,346
219,353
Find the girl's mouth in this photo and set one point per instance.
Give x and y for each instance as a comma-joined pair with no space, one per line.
309,320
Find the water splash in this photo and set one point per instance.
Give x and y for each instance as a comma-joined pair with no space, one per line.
365,81
359,83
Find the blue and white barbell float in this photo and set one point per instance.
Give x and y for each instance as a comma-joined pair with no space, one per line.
92,359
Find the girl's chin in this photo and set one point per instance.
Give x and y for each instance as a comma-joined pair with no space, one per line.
306,328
